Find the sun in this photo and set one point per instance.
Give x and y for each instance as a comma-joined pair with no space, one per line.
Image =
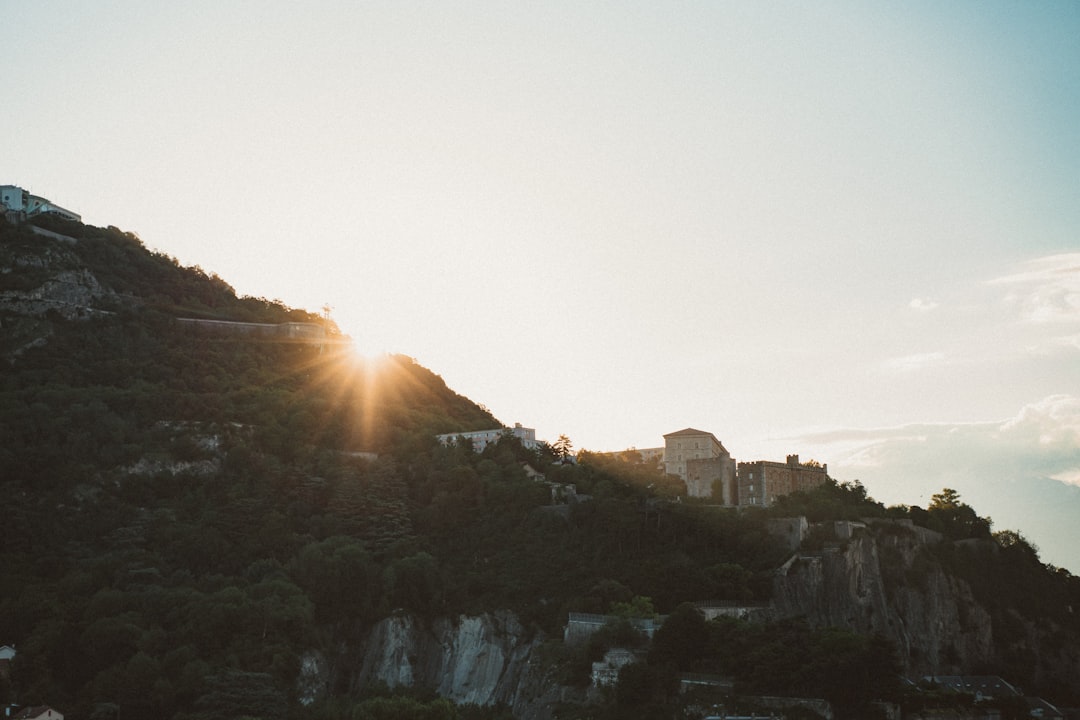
358,333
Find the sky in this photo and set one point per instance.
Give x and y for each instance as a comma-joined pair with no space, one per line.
848,230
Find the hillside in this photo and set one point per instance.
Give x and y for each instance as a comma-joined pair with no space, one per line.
243,517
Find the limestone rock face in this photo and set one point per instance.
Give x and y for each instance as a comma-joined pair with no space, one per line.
72,293
485,659
40,281
49,278
886,580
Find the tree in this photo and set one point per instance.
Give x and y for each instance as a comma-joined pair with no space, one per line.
1013,539
638,607
563,448
235,693
955,519
414,583
340,577
405,708
947,499
681,640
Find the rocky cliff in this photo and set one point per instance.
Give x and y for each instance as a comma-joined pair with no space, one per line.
487,660
50,278
37,280
885,579
888,579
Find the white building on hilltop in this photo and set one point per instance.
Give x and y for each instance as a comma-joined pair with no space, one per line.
19,201
482,438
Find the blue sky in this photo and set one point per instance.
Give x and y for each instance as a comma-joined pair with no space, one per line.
846,230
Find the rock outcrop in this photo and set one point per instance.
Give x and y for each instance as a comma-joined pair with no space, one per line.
42,281
886,580
486,660
62,284
72,293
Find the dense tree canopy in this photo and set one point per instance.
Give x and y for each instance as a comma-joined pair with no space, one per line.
187,514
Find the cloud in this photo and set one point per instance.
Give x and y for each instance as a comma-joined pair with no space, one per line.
1043,438
912,363
1028,312
1046,289
1051,423
1069,477
1023,471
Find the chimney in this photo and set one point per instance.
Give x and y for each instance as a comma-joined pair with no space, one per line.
792,459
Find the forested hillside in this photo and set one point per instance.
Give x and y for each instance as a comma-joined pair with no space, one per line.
188,515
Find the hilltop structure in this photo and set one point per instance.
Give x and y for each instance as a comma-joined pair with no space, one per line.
20,204
482,438
702,462
761,482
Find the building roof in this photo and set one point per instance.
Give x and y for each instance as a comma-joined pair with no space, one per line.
37,711
777,464
989,685
690,432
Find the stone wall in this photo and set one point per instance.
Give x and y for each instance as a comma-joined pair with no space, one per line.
581,626
790,531
288,331
760,482
711,477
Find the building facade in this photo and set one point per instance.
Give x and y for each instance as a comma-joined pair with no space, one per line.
762,481
482,438
702,462
632,454
19,201
14,198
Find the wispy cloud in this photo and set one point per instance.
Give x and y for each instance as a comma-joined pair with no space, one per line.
1046,289
1024,471
1030,311
1053,422
1042,436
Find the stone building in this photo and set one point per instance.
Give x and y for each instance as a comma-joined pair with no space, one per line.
701,461
482,438
761,482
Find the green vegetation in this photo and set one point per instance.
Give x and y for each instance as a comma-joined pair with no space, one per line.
187,514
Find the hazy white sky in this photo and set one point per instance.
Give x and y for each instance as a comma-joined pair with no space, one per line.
847,230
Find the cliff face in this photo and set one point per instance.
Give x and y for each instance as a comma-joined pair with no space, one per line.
886,580
488,659
50,279
36,281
